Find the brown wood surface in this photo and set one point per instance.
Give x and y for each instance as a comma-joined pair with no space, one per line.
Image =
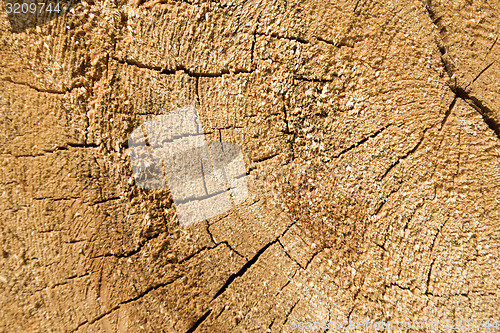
369,130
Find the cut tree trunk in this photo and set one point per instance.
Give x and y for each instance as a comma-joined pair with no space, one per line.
370,135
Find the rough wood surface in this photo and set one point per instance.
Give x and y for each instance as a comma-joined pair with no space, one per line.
370,134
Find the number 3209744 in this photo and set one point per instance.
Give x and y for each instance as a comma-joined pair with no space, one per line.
24,8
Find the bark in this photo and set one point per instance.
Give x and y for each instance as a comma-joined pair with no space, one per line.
370,134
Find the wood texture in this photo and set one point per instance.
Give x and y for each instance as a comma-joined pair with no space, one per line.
369,130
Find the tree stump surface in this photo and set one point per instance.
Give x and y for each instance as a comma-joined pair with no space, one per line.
370,134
